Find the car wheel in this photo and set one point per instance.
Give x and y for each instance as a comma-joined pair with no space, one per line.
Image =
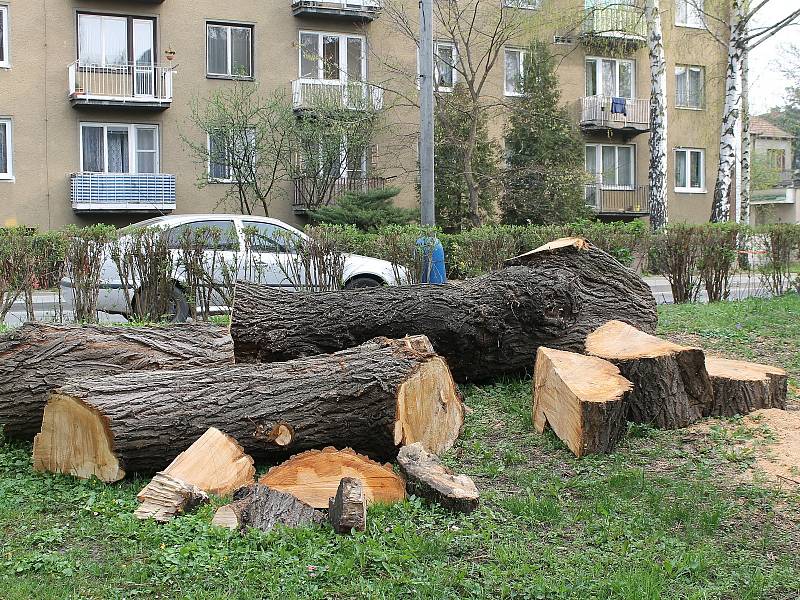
362,282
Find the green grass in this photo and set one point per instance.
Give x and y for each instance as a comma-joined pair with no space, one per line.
666,516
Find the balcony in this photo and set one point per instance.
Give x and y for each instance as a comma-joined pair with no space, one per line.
597,114
143,87
358,11
308,94
307,193
620,23
122,192
618,201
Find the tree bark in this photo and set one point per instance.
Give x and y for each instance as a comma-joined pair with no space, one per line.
485,327
582,399
347,511
671,387
37,358
263,508
743,387
744,215
658,118
376,397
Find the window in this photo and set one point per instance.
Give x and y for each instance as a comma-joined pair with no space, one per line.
612,166
105,40
522,4
776,158
119,148
332,56
689,13
229,150
610,77
515,70
689,86
5,149
266,237
228,239
445,63
690,170
5,61
229,50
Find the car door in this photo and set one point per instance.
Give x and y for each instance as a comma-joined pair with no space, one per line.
269,258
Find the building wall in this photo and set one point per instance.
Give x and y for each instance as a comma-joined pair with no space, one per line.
33,92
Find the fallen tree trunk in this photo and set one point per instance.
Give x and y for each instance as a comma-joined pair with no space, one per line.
581,398
314,477
37,358
262,508
428,478
347,511
376,397
671,387
743,387
485,327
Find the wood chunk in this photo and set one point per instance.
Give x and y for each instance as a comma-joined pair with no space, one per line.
671,387
375,397
428,478
314,477
582,398
231,515
166,497
268,507
348,510
743,387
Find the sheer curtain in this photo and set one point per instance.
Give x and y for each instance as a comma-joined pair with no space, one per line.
217,50
118,151
93,150
240,48
681,87
3,149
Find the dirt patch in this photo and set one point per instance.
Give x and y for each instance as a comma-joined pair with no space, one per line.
781,460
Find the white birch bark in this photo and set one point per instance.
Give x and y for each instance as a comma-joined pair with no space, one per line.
657,176
744,216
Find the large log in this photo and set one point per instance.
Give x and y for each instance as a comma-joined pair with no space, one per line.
37,358
375,397
671,387
485,327
743,387
581,398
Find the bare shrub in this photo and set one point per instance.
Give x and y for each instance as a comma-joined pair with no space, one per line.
86,252
676,254
718,244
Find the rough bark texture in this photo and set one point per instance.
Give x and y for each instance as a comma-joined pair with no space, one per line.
166,497
375,397
742,387
37,358
348,510
485,327
428,478
262,508
582,399
657,173
671,387
744,207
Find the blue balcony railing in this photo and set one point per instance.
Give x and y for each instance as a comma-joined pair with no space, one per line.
122,192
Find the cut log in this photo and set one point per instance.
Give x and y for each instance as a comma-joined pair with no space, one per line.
671,387
348,510
376,398
231,515
37,358
166,497
581,398
743,387
428,478
314,477
264,508
485,327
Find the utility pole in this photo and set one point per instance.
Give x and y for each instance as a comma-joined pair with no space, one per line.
426,107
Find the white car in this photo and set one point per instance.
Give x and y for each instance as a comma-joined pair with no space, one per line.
269,256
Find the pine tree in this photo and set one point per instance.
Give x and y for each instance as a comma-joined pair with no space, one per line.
369,211
546,171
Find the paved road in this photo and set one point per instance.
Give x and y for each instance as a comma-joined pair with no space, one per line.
743,285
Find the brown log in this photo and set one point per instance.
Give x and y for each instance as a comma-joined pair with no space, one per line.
671,387
314,477
37,358
428,478
263,508
485,327
348,510
743,387
376,397
581,398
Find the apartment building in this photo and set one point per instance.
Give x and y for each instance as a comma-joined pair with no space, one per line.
95,97
772,149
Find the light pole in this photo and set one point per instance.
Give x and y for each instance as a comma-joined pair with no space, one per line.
426,107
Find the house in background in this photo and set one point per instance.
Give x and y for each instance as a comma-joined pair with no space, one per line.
775,147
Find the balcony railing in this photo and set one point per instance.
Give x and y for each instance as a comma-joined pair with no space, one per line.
352,10
628,114
618,200
318,93
122,192
140,86
621,22
308,195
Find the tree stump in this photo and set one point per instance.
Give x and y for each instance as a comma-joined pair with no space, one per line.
428,478
743,387
348,510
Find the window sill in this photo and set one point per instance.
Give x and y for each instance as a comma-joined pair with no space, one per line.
692,108
687,26
230,77
691,191
7,179
220,181
514,94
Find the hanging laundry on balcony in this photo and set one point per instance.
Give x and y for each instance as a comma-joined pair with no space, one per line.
619,106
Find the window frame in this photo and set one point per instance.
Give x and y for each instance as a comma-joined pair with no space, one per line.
690,23
9,141
702,94
598,71
4,39
436,72
133,141
523,54
344,73
129,21
688,164
599,165
229,26
225,180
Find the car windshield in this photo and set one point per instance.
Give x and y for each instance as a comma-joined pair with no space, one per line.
140,224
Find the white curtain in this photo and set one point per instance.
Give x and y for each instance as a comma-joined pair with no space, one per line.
240,48
93,150
3,149
680,169
118,151
217,50
681,86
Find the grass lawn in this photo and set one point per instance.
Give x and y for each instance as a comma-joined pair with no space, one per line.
669,515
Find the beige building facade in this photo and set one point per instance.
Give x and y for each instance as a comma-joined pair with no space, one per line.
95,97
773,151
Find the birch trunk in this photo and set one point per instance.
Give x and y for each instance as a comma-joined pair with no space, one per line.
744,215
658,118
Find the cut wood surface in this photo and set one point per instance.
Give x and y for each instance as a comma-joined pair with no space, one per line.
581,398
428,478
263,508
231,515
743,387
314,477
36,358
375,397
671,387
485,327
348,510
166,497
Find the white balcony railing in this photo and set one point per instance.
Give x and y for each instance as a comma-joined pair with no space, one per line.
600,111
620,21
311,93
367,5
108,192
120,83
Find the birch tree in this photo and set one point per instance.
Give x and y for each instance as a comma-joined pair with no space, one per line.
658,117
744,213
